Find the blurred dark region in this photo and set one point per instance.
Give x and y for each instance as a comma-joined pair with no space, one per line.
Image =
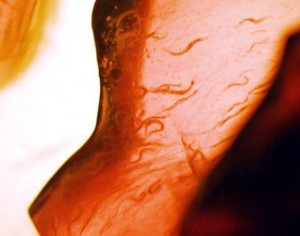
255,188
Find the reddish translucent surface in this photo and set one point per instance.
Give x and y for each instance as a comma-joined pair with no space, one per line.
176,89
254,189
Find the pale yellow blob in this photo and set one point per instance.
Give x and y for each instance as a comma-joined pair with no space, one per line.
22,29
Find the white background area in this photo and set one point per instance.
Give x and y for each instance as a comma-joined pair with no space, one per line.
47,113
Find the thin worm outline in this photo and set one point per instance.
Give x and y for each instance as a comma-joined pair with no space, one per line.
187,48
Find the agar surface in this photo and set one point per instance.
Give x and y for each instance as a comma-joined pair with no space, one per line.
165,117
254,189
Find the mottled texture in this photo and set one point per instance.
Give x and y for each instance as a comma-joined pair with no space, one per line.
176,88
254,190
